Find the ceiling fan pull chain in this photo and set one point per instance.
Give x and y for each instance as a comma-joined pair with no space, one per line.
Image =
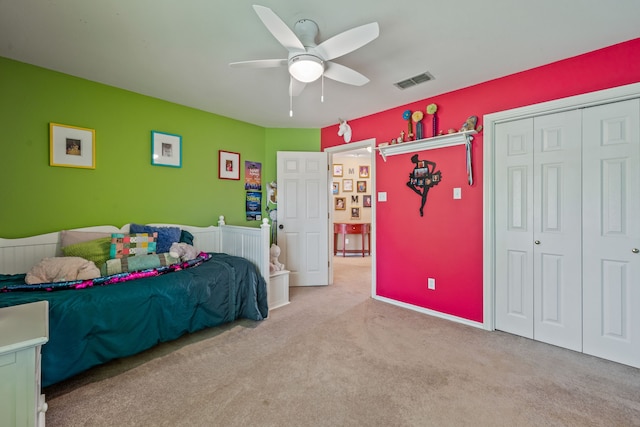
290,105
322,94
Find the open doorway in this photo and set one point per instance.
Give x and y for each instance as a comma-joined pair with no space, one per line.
352,203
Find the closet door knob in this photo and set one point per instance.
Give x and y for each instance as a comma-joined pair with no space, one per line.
635,250
537,242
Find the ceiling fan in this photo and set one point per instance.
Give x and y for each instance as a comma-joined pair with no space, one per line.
308,61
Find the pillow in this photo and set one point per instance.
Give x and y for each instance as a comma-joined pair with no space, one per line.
166,235
71,237
61,269
136,263
186,237
94,250
124,245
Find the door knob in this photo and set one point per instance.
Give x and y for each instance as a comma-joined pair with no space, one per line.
635,250
537,242
281,226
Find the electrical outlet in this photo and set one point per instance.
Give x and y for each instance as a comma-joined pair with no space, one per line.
457,193
346,241
431,283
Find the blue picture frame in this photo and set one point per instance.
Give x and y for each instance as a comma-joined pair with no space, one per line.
166,149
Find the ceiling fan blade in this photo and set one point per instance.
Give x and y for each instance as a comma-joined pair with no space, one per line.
278,28
344,74
296,87
348,41
260,63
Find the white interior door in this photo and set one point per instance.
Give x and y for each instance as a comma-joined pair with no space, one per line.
514,227
557,230
303,216
612,231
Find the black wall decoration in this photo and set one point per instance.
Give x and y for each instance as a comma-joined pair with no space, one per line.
422,178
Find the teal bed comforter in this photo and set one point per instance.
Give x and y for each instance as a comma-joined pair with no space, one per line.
92,325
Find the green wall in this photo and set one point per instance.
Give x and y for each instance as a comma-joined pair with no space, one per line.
287,140
124,187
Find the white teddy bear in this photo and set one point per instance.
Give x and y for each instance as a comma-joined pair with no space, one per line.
275,265
183,251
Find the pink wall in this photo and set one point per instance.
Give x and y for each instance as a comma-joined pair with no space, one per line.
447,242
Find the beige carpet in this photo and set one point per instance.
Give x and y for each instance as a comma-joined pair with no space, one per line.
335,357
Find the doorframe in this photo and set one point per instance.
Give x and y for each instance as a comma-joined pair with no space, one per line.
616,94
365,143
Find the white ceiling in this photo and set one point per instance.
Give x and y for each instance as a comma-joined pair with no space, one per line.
180,50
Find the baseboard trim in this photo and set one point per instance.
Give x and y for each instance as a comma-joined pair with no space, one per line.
433,313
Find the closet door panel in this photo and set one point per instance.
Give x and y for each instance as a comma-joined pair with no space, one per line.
557,227
612,231
514,233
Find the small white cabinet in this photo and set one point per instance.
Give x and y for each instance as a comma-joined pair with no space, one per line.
23,330
278,290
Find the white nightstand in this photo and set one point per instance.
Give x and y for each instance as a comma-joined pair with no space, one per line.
23,330
278,289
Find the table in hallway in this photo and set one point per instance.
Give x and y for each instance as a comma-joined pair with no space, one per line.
363,228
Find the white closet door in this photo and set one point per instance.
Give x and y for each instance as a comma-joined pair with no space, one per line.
557,229
612,231
514,227
538,229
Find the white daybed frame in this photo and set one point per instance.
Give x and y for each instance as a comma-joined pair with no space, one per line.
19,255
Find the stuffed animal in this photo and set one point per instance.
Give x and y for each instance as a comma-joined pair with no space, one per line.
183,251
275,265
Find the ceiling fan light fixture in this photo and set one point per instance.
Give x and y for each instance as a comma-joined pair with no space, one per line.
306,68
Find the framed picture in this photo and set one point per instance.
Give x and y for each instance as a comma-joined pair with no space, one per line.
347,185
362,186
166,149
366,201
340,203
335,188
72,146
228,165
337,170
355,213
364,171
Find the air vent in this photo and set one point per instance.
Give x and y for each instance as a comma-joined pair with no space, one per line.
415,80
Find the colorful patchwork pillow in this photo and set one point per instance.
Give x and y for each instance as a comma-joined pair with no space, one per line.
167,236
125,245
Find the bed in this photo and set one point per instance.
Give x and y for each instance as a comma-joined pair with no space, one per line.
96,322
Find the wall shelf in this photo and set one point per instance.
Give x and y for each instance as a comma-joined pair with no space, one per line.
442,141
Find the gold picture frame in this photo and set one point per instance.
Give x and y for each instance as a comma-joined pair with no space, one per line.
335,188
347,185
72,146
337,170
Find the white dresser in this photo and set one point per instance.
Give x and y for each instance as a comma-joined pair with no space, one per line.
23,330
